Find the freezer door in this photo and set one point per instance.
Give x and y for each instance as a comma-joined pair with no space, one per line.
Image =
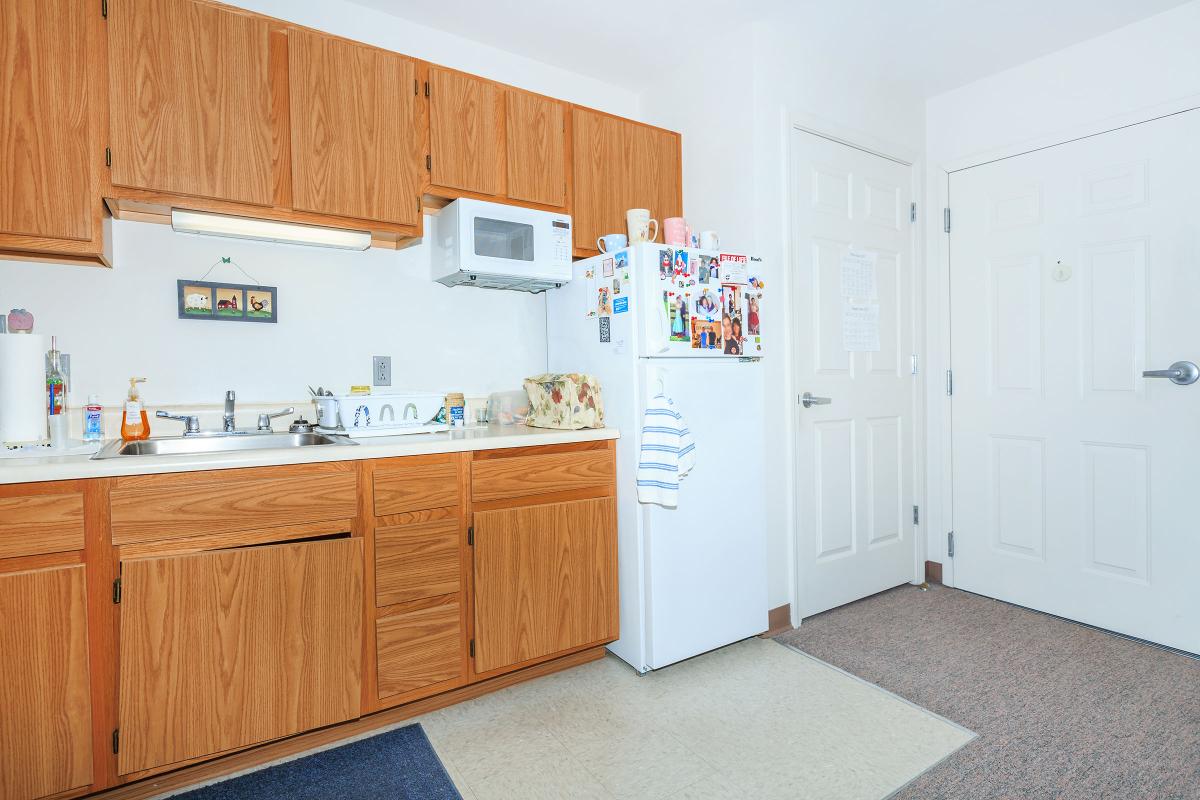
698,303
706,560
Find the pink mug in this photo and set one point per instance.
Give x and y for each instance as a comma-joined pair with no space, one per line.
677,232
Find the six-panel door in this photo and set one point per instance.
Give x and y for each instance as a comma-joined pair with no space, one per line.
545,580
228,648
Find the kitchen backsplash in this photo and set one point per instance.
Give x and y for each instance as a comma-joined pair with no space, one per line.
336,310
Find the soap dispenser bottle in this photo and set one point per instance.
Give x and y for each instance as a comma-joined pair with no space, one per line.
135,424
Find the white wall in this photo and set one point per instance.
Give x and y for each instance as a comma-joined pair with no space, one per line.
1130,74
732,111
336,309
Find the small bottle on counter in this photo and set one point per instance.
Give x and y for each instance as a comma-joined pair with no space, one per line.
93,420
135,425
456,410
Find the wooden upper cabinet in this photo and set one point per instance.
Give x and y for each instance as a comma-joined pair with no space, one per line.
537,148
229,648
620,164
357,130
194,109
46,724
466,132
51,156
600,179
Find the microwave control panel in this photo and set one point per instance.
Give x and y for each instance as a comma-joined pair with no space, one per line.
561,237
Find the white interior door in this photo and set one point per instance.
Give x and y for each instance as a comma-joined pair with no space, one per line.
854,467
1073,269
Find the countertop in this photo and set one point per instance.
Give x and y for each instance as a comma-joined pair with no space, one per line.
68,467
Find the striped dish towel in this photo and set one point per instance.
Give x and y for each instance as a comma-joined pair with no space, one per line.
668,453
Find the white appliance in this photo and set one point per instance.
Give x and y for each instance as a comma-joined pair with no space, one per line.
496,246
694,577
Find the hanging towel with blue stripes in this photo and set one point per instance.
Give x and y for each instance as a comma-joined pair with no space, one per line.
668,453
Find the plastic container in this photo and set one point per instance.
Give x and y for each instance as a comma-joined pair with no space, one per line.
508,408
377,412
93,420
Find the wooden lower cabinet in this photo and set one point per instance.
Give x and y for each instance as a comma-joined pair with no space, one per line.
420,645
229,648
45,700
545,580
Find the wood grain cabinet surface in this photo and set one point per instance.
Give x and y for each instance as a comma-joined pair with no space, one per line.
414,562
45,701
537,148
420,645
356,139
192,110
466,132
51,153
620,164
229,648
545,580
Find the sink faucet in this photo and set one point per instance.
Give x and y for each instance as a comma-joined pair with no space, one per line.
228,424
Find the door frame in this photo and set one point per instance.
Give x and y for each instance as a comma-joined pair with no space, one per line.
792,123
939,477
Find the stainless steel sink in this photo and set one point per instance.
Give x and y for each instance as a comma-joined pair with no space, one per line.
220,443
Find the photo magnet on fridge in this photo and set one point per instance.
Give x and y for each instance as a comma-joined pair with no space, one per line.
620,305
608,267
708,304
704,335
677,311
666,263
681,263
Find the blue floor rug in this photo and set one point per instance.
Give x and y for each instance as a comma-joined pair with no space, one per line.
397,765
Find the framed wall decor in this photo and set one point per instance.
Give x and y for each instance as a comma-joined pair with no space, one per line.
236,302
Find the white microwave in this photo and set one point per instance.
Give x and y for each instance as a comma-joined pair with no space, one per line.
496,246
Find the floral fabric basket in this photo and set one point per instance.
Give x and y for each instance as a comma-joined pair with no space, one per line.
567,401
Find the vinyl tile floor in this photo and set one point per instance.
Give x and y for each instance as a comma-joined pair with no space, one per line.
754,719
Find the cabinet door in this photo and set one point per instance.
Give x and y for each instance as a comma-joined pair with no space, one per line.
537,148
48,128
191,104
233,647
356,138
545,580
654,170
46,723
466,132
600,179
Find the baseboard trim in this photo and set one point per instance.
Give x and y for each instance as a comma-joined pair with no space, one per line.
933,572
779,620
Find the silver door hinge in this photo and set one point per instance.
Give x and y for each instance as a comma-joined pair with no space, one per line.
949,383
946,220
912,212
916,515
950,544
916,364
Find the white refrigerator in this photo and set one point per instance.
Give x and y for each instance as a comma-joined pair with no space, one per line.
686,323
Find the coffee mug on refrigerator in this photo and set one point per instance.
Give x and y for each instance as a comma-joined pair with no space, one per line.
709,240
612,241
676,232
638,220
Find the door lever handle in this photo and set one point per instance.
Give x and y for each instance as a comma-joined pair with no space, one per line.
1182,373
808,400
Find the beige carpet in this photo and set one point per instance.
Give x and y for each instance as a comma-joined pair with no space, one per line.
752,720
1062,711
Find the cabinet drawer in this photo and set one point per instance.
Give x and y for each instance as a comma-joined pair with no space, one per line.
156,507
419,647
416,484
498,477
417,561
42,523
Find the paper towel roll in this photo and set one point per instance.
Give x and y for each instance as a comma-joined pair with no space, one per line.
23,389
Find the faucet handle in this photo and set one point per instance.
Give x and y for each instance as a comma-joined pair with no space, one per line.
191,423
264,420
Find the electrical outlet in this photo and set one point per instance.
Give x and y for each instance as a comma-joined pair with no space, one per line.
381,370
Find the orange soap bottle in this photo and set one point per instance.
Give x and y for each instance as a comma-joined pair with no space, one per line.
134,422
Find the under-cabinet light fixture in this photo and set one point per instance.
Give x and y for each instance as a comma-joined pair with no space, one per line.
266,230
